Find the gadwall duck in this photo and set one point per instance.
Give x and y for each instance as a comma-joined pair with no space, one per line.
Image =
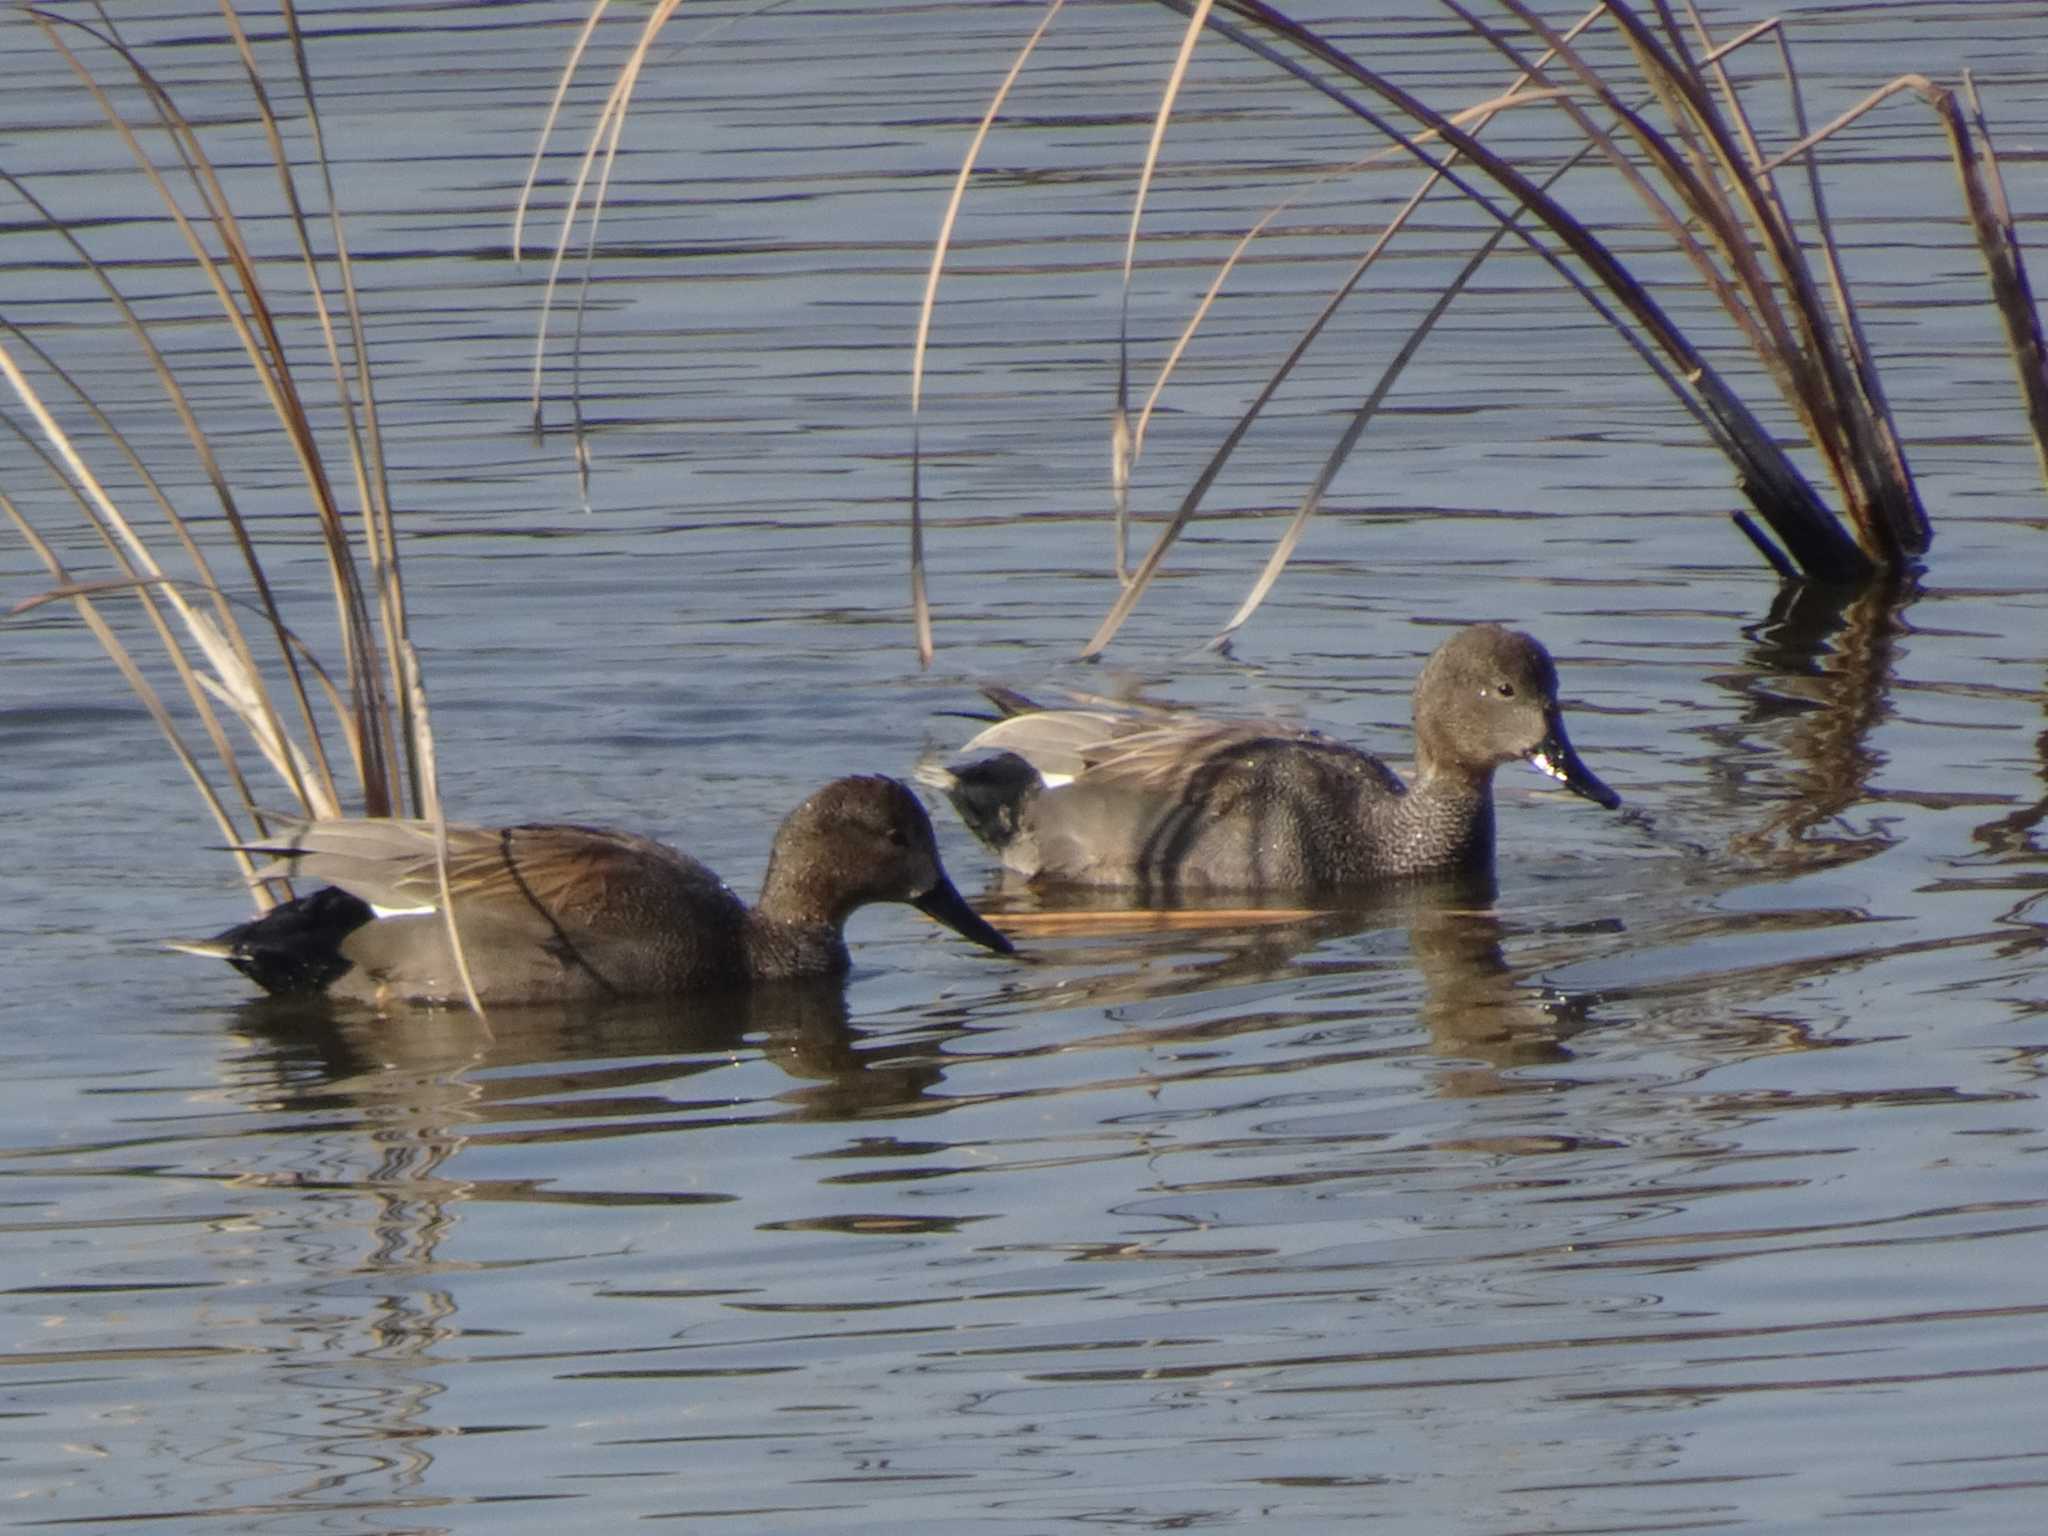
553,913
1169,803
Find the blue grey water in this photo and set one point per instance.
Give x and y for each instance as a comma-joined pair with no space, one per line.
1689,1186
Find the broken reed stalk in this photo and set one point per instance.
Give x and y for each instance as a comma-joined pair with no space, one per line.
379,711
1991,218
1723,181
1983,187
1472,120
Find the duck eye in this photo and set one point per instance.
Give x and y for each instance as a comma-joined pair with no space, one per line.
1505,690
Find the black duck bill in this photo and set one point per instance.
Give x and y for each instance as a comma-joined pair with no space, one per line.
1554,755
942,903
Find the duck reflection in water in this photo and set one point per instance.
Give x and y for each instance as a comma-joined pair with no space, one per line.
446,1070
1342,969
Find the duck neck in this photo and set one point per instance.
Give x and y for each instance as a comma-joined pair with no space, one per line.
1450,815
779,950
795,928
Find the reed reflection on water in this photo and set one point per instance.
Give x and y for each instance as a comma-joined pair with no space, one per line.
1687,1178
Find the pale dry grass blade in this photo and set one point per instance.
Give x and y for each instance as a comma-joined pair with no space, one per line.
1283,549
1919,85
1885,441
547,127
1085,922
138,683
1841,421
599,154
1474,118
260,342
365,440
174,393
1701,169
233,692
239,684
1124,443
429,773
920,605
1514,97
138,564
1990,220
382,711
1704,207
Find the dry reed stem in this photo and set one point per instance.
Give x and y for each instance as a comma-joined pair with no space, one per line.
377,713
125,663
1084,922
605,137
245,328
365,440
547,125
238,682
296,772
1893,472
1123,442
1852,428
1765,474
920,606
380,722
1991,217
1701,169
174,393
1476,117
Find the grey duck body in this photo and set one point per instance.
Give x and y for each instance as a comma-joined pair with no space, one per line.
1170,805
553,912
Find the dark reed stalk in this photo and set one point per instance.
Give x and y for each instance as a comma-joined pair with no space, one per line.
1781,495
1991,218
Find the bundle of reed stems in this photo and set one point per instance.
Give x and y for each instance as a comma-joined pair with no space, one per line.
233,673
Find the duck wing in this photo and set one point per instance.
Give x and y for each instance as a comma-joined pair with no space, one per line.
560,873
1157,753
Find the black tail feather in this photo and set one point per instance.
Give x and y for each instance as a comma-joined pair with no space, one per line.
991,793
295,949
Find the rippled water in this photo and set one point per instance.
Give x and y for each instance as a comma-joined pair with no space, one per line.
1688,1186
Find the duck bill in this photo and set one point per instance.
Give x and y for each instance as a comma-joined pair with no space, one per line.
1554,755
944,904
